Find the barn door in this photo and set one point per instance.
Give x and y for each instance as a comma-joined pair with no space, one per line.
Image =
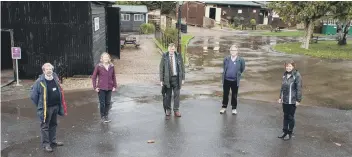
207,11
6,59
7,70
218,15
113,31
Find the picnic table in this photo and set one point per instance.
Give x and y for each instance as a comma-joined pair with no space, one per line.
129,39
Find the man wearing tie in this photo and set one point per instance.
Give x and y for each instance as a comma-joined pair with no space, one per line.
172,76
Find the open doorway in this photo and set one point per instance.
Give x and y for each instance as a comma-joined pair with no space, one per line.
113,31
212,13
7,71
263,17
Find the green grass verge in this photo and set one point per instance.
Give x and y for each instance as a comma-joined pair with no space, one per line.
322,49
287,34
184,43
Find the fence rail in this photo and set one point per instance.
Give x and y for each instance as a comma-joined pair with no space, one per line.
163,39
161,36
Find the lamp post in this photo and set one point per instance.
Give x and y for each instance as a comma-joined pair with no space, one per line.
180,3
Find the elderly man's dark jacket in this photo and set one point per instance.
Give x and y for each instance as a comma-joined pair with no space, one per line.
165,71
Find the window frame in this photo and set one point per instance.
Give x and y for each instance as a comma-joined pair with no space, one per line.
125,15
141,17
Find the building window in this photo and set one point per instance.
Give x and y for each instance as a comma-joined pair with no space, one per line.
138,17
125,17
239,11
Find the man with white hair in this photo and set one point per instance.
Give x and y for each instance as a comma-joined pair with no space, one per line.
234,66
47,95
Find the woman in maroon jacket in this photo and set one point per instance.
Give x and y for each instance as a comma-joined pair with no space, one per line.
106,84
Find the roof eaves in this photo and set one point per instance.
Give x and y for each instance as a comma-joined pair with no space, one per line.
238,3
132,9
104,2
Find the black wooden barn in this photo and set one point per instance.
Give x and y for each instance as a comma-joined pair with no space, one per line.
70,35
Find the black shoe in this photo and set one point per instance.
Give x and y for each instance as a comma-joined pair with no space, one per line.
288,137
48,149
283,135
57,144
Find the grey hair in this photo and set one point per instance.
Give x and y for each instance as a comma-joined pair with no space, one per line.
234,47
46,65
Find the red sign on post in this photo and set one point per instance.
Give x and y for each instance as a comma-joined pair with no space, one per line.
16,52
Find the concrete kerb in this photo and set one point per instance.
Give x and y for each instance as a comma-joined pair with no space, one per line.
189,41
8,83
271,49
160,50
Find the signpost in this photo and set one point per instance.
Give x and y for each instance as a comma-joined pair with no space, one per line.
16,54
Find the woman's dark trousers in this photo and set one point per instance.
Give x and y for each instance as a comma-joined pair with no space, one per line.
105,102
289,117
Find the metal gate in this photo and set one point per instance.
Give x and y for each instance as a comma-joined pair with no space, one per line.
113,33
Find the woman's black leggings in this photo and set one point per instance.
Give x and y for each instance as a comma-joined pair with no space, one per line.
289,117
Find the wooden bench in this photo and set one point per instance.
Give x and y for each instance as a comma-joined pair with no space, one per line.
314,39
276,29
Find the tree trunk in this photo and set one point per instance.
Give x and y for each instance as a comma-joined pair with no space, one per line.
343,34
308,30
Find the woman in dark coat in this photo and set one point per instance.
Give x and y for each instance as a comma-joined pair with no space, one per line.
290,96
